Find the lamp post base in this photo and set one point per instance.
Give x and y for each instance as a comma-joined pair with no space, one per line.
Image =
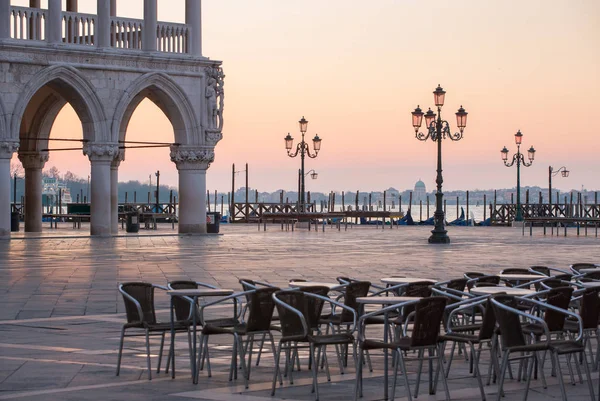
439,237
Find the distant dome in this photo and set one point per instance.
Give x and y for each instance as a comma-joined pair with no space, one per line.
419,184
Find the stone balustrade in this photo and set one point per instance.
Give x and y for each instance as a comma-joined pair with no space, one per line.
33,24
78,28
28,23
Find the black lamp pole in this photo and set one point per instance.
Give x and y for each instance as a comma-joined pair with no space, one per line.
436,131
552,173
303,150
520,160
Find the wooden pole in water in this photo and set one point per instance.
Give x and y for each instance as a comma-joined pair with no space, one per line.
170,200
134,197
222,199
457,205
232,197
125,197
343,201
256,196
540,202
445,208
420,210
427,207
208,199
484,207
410,201
230,204
384,196
247,206
467,217
216,200
370,207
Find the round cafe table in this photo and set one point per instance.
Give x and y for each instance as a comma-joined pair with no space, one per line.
404,280
501,290
302,284
521,277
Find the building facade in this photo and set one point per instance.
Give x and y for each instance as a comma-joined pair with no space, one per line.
104,66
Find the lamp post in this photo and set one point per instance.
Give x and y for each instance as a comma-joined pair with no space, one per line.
302,149
313,175
436,131
552,173
518,158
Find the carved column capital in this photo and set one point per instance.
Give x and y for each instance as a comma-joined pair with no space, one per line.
212,136
33,160
101,151
116,162
7,148
192,157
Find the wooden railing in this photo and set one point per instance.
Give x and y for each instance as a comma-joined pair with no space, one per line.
28,23
245,212
78,28
504,214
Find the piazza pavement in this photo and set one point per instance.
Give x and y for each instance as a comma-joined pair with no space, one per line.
61,313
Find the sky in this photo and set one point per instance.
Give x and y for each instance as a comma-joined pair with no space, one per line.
356,69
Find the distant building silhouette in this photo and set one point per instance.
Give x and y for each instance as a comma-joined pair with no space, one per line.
420,192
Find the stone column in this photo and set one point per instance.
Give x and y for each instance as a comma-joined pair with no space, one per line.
6,151
101,156
114,193
33,163
150,25
193,17
113,8
192,163
5,25
103,23
54,22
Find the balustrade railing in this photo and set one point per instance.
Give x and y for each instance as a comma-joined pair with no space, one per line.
78,28
28,23
126,33
172,37
82,29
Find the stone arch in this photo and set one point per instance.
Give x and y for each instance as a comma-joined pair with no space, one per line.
42,95
163,91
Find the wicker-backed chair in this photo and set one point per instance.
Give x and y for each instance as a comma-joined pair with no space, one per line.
513,340
298,312
258,321
141,316
481,280
577,267
428,314
485,335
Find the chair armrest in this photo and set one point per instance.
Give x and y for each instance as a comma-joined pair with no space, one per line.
336,304
467,304
388,289
233,297
565,312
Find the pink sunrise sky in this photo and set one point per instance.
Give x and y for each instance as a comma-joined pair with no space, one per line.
357,69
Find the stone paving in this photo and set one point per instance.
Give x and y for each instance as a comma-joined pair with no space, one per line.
60,313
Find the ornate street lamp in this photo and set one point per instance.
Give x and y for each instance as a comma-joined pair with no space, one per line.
518,158
551,173
303,149
436,131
